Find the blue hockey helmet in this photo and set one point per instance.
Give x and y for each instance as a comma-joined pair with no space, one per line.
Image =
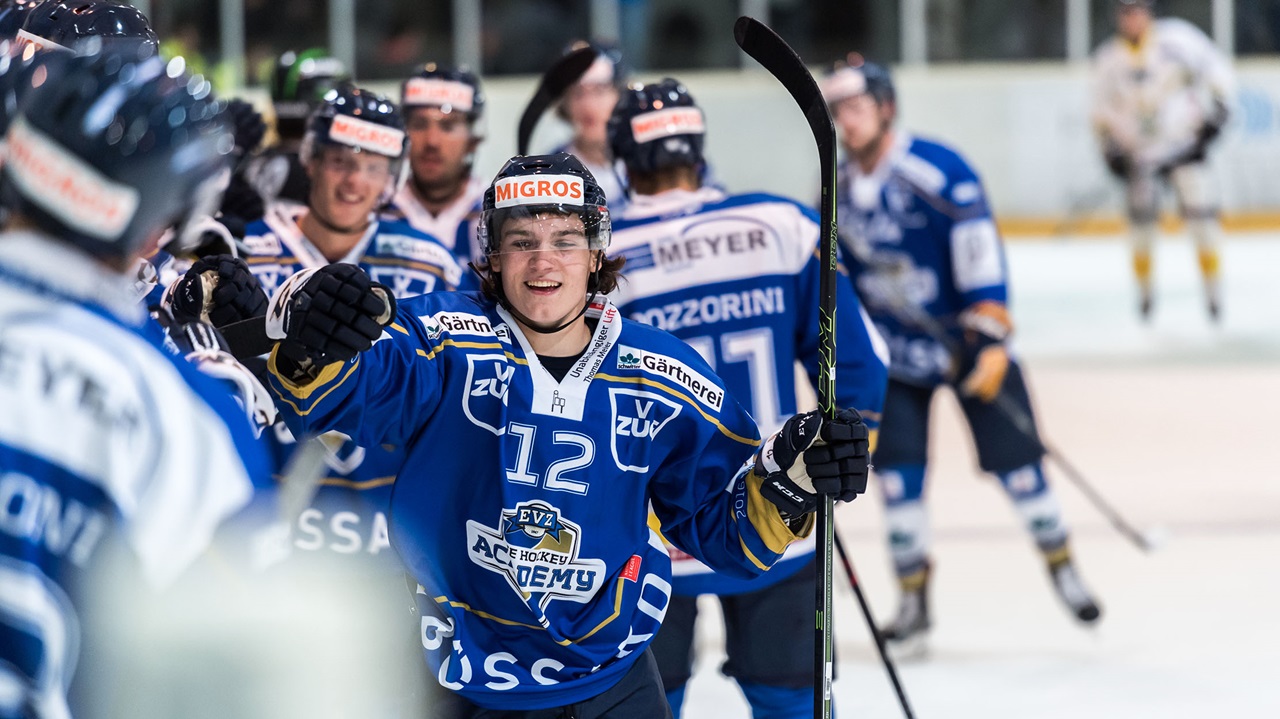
656,126
13,13
115,151
361,121
856,76
60,24
535,184
299,82
448,88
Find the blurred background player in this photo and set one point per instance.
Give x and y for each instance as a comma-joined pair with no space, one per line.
103,446
1161,90
12,14
541,580
586,106
444,118
750,262
928,263
299,83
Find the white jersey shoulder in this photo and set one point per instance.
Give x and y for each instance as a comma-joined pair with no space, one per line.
685,238
443,225
102,403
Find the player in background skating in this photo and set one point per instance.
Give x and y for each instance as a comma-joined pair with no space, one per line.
586,106
1161,92
444,118
101,425
736,277
928,264
540,427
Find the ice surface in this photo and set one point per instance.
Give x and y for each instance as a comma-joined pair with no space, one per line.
1175,423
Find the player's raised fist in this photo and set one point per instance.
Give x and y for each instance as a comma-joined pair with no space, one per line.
329,314
812,457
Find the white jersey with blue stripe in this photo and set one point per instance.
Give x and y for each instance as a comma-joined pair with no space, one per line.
522,503
920,241
737,278
103,432
454,226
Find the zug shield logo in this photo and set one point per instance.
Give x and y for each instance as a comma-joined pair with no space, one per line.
638,417
488,380
536,549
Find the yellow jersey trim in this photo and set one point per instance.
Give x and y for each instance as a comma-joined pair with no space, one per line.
687,399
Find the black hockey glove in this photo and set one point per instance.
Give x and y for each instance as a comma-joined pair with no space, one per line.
218,289
248,128
241,204
811,457
327,315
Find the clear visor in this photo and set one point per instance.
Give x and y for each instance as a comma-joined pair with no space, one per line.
563,230
346,161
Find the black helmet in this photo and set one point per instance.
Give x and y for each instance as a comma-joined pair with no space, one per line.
364,121
856,76
299,82
657,125
15,79
13,13
531,184
450,89
115,151
121,28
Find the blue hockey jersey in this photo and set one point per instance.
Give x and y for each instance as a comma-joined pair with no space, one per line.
921,241
103,432
522,502
737,278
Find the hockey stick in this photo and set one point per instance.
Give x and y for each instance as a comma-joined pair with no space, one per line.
907,313
771,51
567,70
875,631
247,338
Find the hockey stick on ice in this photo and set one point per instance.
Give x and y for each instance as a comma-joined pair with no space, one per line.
876,636
908,313
567,70
771,51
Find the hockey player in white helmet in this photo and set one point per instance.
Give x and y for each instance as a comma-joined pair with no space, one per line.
586,106
927,262
444,118
1160,97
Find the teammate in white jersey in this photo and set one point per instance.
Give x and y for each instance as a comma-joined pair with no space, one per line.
1160,97
737,278
586,106
103,433
444,118
926,259
540,428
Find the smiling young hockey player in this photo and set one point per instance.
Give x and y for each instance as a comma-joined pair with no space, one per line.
736,277
444,118
104,433
924,254
1160,97
540,426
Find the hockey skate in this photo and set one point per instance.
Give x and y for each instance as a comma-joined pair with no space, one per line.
906,637
1066,582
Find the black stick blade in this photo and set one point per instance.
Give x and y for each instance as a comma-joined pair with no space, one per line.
767,48
567,70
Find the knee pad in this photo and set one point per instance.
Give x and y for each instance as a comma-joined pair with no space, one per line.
909,536
901,483
1036,505
775,702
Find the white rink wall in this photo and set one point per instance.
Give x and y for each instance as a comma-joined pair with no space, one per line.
1024,126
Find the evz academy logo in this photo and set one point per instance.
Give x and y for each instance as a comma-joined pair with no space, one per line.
536,549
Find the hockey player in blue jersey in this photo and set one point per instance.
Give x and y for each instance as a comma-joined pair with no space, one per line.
927,261
444,118
736,277
101,425
540,426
